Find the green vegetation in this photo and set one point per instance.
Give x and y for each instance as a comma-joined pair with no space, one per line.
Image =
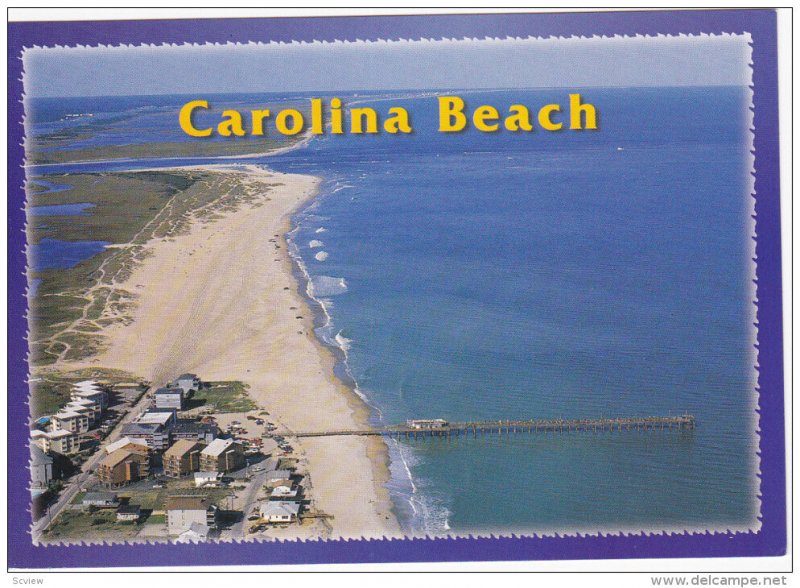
223,397
74,524
73,305
196,148
50,389
150,498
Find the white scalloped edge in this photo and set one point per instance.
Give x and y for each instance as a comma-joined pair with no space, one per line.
576,533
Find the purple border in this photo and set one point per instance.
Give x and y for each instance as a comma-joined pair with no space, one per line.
769,541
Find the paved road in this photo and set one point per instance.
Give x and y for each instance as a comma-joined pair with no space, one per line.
87,470
248,501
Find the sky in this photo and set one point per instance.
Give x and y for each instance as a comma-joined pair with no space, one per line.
381,65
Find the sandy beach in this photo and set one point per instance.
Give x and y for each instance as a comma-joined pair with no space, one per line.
220,300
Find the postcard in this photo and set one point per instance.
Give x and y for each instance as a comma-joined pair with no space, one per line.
395,289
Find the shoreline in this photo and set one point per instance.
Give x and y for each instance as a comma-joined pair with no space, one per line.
304,140
259,343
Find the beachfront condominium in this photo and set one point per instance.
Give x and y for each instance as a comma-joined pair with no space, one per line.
90,390
222,455
67,420
183,458
152,427
58,441
128,464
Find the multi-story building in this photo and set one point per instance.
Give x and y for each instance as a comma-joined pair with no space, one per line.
86,408
194,431
90,390
184,511
152,427
182,458
170,398
222,455
125,465
67,420
59,441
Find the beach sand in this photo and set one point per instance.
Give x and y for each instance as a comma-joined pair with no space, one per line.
222,302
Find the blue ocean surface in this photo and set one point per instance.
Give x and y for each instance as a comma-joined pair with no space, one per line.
545,275
472,276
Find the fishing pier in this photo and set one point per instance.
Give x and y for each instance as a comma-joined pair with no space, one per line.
424,428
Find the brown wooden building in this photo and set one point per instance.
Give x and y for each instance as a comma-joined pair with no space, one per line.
182,458
128,464
222,455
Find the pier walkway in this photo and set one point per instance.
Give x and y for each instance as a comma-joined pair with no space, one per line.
440,428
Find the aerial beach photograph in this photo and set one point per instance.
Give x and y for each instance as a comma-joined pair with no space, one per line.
386,289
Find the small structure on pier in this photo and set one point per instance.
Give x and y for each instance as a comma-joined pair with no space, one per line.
426,424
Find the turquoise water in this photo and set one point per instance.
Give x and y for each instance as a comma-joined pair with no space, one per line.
497,276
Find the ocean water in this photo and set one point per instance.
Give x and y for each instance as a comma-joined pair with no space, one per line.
551,275
511,276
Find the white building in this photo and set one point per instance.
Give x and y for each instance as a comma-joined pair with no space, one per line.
88,407
90,390
183,511
74,422
207,479
59,441
283,493
187,382
279,511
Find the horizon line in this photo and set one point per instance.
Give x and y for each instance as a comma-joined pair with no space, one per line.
330,92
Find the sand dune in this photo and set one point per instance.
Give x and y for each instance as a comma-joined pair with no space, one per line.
218,301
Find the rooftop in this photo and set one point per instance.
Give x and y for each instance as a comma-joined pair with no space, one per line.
86,392
279,475
282,491
141,428
218,446
181,447
113,459
279,508
187,426
187,377
195,531
162,391
124,442
154,417
186,503
88,386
